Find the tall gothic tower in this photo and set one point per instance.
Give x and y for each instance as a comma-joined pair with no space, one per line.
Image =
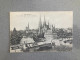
28,24
44,24
40,25
53,28
27,28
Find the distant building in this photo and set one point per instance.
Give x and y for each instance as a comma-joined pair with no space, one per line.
27,29
30,32
46,29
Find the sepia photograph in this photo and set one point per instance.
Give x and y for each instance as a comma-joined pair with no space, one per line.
41,31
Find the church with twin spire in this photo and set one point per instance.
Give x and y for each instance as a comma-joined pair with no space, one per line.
45,26
47,30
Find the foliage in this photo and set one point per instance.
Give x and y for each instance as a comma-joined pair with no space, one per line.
15,37
63,34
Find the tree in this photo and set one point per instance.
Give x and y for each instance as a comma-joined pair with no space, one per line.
60,33
15,37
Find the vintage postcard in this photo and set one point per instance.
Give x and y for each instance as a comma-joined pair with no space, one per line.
41,31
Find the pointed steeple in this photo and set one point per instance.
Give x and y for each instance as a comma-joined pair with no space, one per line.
28,24
14,29
44,17
48,25
40,23
44,21
53,28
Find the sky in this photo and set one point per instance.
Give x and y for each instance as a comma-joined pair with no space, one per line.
20,20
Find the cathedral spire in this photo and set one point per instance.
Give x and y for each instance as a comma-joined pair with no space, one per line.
14,30
40,23
53,28
48,24
44,21
28,24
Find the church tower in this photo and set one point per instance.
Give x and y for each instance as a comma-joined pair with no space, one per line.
44,24
28,24
48,25
27,28
53,28
40,25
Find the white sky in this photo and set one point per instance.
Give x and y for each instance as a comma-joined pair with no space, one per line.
61,19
